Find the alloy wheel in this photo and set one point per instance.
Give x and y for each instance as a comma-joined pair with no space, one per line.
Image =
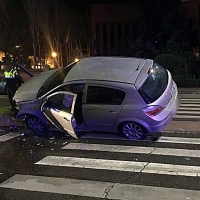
133,131
35,124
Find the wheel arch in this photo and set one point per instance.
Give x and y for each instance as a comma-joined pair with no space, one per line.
23,115
119,123
45,126
133,130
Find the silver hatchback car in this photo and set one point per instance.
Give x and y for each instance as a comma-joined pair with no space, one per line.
131,96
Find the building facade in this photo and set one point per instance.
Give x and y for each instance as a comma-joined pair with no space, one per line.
110,24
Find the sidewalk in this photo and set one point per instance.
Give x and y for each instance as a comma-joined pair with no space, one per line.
188,90
187,126
186,93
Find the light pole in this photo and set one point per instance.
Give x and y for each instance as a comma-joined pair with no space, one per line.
54,54
17,54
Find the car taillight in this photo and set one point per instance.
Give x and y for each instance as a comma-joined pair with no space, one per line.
152,110
150,70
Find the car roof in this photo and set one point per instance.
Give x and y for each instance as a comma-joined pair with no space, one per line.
120,69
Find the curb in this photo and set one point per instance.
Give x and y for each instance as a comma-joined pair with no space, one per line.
180,131
8,120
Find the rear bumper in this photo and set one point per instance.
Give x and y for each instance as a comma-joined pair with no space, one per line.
160,127
171,110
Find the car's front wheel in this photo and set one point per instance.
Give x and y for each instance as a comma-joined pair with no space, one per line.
35,124
133,131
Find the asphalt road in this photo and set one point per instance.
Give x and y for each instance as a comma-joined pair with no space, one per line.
100,167
4,102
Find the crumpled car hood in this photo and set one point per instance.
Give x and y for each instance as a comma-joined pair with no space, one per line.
28,91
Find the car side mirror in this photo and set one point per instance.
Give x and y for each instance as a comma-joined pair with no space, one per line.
45,100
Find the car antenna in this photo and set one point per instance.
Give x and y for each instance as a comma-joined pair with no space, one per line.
138,65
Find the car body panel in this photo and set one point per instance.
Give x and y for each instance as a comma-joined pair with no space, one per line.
127,75
143,74
32,108
92,115
93,112
28,91
151,124
106,68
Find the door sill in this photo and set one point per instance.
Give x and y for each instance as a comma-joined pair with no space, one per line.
81,127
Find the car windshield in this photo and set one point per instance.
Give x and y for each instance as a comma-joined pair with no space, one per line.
54,80
155,84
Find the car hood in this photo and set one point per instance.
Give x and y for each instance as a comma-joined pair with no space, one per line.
28,91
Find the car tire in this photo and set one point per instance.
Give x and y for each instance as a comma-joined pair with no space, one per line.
35,124
133,131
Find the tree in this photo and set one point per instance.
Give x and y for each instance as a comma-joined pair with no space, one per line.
170,62
150,27
13,31
162,29
60,26
33,8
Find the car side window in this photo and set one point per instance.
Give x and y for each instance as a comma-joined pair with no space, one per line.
104,95
74,88
61,102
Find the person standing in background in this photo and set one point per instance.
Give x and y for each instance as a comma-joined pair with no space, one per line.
10,75
19,80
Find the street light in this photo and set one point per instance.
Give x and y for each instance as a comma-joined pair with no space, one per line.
54,54
17,53
76,59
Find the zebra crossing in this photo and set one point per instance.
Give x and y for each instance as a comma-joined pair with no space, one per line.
117,169
8,136
189,109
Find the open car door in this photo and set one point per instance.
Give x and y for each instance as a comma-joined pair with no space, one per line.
58,108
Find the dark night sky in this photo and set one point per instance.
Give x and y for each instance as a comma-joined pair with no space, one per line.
103,1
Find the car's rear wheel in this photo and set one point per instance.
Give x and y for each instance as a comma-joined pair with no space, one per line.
35,124
133,131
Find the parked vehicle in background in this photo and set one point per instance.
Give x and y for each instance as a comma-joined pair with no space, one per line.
131,96
2,85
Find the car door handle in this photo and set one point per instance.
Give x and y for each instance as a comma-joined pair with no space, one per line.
111,111
66,119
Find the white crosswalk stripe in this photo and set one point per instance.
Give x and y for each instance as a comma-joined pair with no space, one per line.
133,149
131,166
180,140
189,109
8,136
88,158
97,189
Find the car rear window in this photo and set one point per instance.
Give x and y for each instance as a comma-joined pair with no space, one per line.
155,84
